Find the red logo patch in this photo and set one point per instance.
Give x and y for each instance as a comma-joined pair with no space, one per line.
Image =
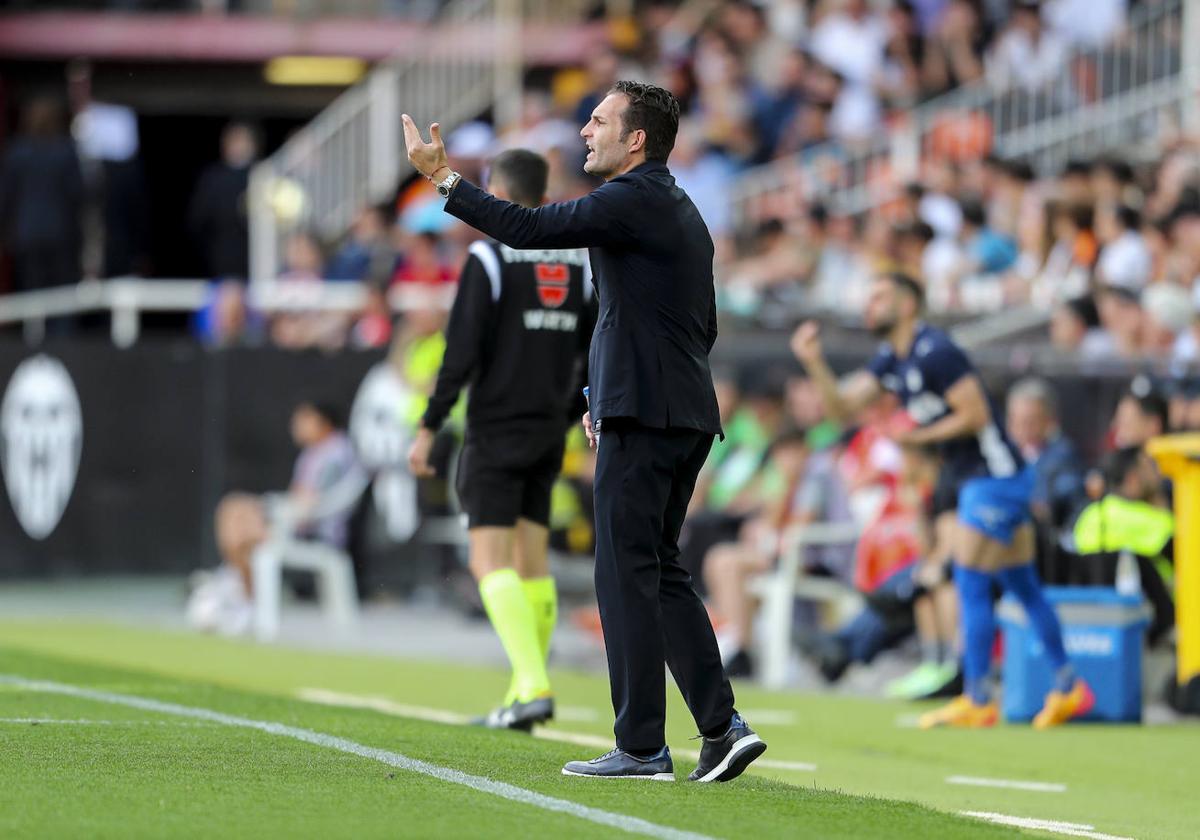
553,281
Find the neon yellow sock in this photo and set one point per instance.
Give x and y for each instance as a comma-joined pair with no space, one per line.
543,597
512,617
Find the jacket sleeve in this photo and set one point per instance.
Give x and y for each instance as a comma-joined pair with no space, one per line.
577,405
712,318
603,217
465,333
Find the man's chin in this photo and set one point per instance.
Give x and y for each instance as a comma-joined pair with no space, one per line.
592,167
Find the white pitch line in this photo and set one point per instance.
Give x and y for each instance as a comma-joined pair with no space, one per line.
1013,784
88,722
1069,829
579,739
483,784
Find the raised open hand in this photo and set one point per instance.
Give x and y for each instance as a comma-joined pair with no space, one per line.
427,158
806,342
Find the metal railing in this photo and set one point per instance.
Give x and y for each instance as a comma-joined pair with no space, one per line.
127,298
352,154
1107,98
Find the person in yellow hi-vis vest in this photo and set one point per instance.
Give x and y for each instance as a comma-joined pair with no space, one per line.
1126,539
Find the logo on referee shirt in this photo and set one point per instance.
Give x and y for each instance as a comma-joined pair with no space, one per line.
553,283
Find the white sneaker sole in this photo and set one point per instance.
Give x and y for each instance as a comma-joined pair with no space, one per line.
654,777
740,748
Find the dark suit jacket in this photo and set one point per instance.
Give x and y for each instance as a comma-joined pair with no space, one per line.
652,261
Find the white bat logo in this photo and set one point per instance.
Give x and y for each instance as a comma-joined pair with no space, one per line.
41,438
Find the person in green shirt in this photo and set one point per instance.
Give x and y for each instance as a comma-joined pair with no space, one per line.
1129,518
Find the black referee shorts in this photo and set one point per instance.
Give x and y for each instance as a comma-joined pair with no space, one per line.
508,476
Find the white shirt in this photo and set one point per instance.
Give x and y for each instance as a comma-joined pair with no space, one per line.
1086,23
1017,61
1125,262
854,48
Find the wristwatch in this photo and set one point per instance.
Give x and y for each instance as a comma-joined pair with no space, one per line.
447,184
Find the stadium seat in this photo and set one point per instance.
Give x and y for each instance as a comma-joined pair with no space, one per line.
331,565
779,589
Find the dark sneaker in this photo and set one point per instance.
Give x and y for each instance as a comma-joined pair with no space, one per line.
519,716
727,756
618,764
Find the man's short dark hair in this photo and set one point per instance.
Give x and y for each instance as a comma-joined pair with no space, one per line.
524,173
1151,404
909,285
1129,217
655,111
326,409
792,435
1119,464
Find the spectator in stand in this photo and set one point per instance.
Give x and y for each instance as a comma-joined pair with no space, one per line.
851,40
1124,257
421,261
1141,415
1185,355
706,176
934,601
1027,54
304,325
226,319
1086,24
1075,328
1032,420
1131,518
812,492
1066,273
887,560
317,505
734,485
367,254
1113,184
1167,312
952,50
41,198
1075,184
602,67
1122,317
217,216
1058,493
988,251
778,103
117,222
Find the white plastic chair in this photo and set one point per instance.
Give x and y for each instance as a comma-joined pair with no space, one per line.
334,570
779,589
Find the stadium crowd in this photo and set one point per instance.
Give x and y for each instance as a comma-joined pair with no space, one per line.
1111,246
784,463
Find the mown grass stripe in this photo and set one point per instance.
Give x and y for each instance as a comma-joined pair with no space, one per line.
483,784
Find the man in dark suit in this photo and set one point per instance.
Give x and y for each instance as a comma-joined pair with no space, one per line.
652,402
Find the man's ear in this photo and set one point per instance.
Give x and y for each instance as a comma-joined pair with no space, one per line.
638,136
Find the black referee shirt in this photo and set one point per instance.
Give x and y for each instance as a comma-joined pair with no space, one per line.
518,336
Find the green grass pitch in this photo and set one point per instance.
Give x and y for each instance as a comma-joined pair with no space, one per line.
78,767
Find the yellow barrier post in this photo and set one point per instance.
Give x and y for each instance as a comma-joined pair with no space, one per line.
1178,456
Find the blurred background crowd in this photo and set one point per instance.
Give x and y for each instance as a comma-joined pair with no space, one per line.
786,106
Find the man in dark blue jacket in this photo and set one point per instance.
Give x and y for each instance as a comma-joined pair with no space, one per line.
652,401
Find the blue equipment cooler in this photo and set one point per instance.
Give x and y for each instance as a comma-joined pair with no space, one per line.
1104,635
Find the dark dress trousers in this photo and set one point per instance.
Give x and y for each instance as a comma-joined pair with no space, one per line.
652,399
